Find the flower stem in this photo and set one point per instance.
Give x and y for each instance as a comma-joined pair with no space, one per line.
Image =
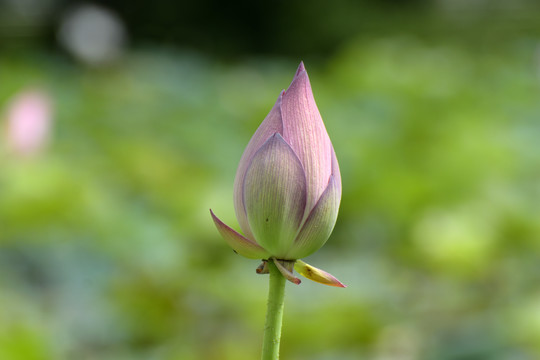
274,314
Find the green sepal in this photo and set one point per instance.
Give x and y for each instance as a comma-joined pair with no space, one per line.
317,275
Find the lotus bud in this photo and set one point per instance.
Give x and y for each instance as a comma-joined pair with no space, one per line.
288,186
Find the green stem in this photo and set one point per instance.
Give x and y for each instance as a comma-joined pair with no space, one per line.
274,314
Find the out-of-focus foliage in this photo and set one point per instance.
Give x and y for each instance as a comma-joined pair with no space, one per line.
107,249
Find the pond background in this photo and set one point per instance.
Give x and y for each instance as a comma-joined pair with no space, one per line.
107,248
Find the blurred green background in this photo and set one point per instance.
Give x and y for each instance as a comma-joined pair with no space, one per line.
107,248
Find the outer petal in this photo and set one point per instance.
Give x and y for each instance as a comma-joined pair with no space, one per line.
275,196
336,173
304,130
240,244
271,124
318,275
319,223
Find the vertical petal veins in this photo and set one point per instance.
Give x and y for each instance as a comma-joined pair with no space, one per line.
336,174
271,124
304,130
319,223
275,196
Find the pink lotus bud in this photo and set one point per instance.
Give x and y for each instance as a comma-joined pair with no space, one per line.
28,122
288,186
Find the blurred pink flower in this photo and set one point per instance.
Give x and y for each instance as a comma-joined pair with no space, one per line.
29,121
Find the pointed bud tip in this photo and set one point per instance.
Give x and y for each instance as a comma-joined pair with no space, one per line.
301,68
